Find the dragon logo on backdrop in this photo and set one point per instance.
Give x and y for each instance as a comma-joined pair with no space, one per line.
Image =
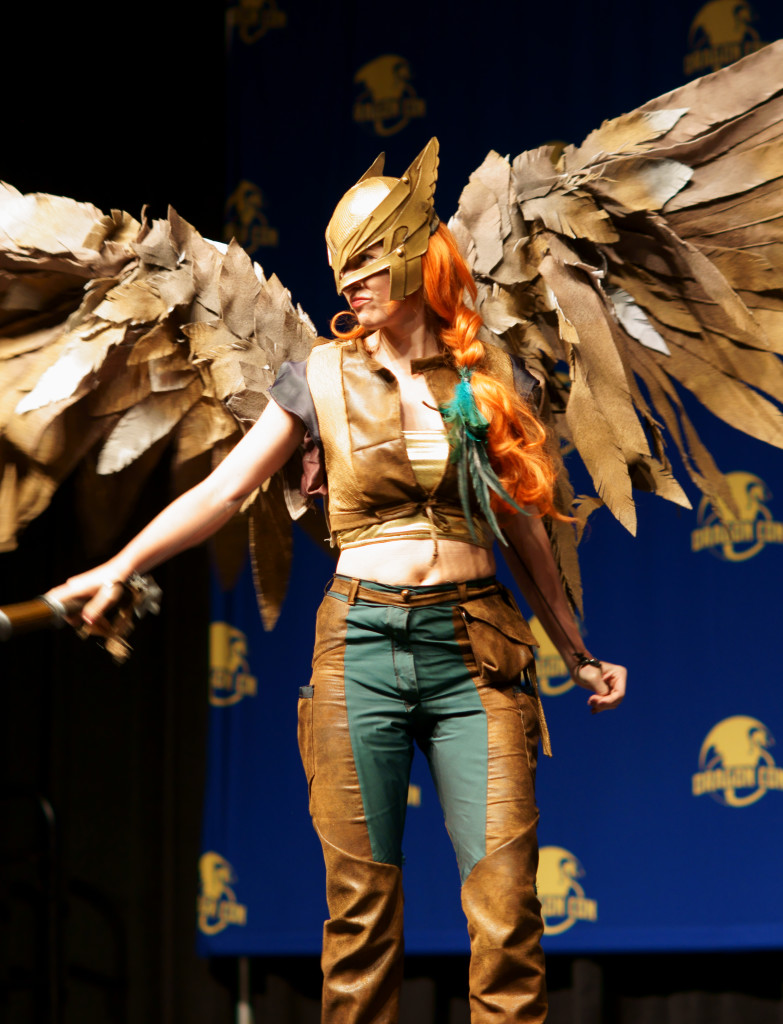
721,33
252,19
218,906
563,900
553,676
736,534
387,101
735,765
230,678
246,221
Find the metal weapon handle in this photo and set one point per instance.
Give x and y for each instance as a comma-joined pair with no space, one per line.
142,595
31,615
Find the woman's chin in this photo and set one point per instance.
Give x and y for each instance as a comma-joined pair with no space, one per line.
371,320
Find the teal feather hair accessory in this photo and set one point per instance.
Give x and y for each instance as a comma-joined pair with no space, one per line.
467,431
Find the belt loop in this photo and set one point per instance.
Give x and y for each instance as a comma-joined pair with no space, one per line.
462,592
353,591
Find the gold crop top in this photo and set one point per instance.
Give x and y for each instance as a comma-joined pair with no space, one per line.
428,451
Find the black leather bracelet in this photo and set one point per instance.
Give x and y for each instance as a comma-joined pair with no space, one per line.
582,660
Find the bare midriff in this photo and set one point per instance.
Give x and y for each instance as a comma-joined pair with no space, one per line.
409,562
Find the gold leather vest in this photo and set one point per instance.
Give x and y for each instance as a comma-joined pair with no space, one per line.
357,403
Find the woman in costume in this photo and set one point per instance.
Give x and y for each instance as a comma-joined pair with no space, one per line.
415,421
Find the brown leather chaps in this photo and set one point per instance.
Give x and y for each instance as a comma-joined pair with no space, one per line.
367,676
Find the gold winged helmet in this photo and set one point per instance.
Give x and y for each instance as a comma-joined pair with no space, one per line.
398,213
648,259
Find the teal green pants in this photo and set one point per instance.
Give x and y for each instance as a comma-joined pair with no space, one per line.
399,667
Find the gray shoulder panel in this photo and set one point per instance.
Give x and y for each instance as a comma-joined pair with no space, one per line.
291,392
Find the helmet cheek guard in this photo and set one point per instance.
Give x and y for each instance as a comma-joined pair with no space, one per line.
397,213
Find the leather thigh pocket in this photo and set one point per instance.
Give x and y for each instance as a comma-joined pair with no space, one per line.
500,638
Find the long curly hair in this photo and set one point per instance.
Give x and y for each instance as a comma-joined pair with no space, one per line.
517,440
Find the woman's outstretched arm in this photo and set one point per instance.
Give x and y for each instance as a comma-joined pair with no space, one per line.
533,566
193,516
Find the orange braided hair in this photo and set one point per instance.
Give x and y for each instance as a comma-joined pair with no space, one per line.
516,437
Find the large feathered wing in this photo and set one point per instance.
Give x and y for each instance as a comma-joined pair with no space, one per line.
119,338
645,261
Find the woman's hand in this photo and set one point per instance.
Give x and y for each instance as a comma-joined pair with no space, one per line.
607,684
91,595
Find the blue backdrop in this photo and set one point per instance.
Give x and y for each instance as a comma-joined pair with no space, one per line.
661,824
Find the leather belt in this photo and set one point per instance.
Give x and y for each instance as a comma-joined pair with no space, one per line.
411,597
